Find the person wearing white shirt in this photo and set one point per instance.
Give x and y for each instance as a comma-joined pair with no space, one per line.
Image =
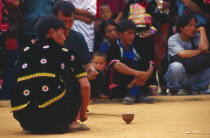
84,16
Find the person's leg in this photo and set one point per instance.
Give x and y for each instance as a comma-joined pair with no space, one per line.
162,82
152,84
175,75
203,80
131,95
76,126
125,88
97,85
122,81
138,95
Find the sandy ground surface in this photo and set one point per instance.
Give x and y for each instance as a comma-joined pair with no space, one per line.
179,117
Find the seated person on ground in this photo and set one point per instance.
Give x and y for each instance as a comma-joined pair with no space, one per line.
40,101
99,62
108,30
75,41
142,14
127,64
189,44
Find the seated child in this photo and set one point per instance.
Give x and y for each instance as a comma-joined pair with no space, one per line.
99,62
108,29
41,102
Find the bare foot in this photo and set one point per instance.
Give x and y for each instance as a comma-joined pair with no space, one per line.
76,126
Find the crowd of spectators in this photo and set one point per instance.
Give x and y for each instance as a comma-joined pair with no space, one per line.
132,35
89,49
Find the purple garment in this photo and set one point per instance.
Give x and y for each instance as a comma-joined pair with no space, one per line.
116,5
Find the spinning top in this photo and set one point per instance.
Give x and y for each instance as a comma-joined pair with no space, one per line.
128,117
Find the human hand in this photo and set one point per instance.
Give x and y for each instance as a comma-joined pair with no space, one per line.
138,81
83,117
199,29
91,73
141,78
96,25
151,68
94,76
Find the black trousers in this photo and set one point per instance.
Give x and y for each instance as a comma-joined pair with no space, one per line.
54,118
97,85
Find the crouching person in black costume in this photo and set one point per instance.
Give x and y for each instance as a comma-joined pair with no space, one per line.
41,101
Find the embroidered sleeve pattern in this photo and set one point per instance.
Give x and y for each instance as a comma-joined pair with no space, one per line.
81,75
52,100
35,75
16,108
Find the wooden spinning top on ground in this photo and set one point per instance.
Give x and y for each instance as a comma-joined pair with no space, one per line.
128,117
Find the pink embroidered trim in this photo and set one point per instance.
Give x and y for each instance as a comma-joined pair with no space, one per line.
151,62
115,60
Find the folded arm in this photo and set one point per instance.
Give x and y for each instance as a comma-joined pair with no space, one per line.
193,7
140,76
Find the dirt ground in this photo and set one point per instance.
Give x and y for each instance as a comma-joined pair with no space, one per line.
171,117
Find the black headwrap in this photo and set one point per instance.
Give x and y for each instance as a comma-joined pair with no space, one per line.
47,22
